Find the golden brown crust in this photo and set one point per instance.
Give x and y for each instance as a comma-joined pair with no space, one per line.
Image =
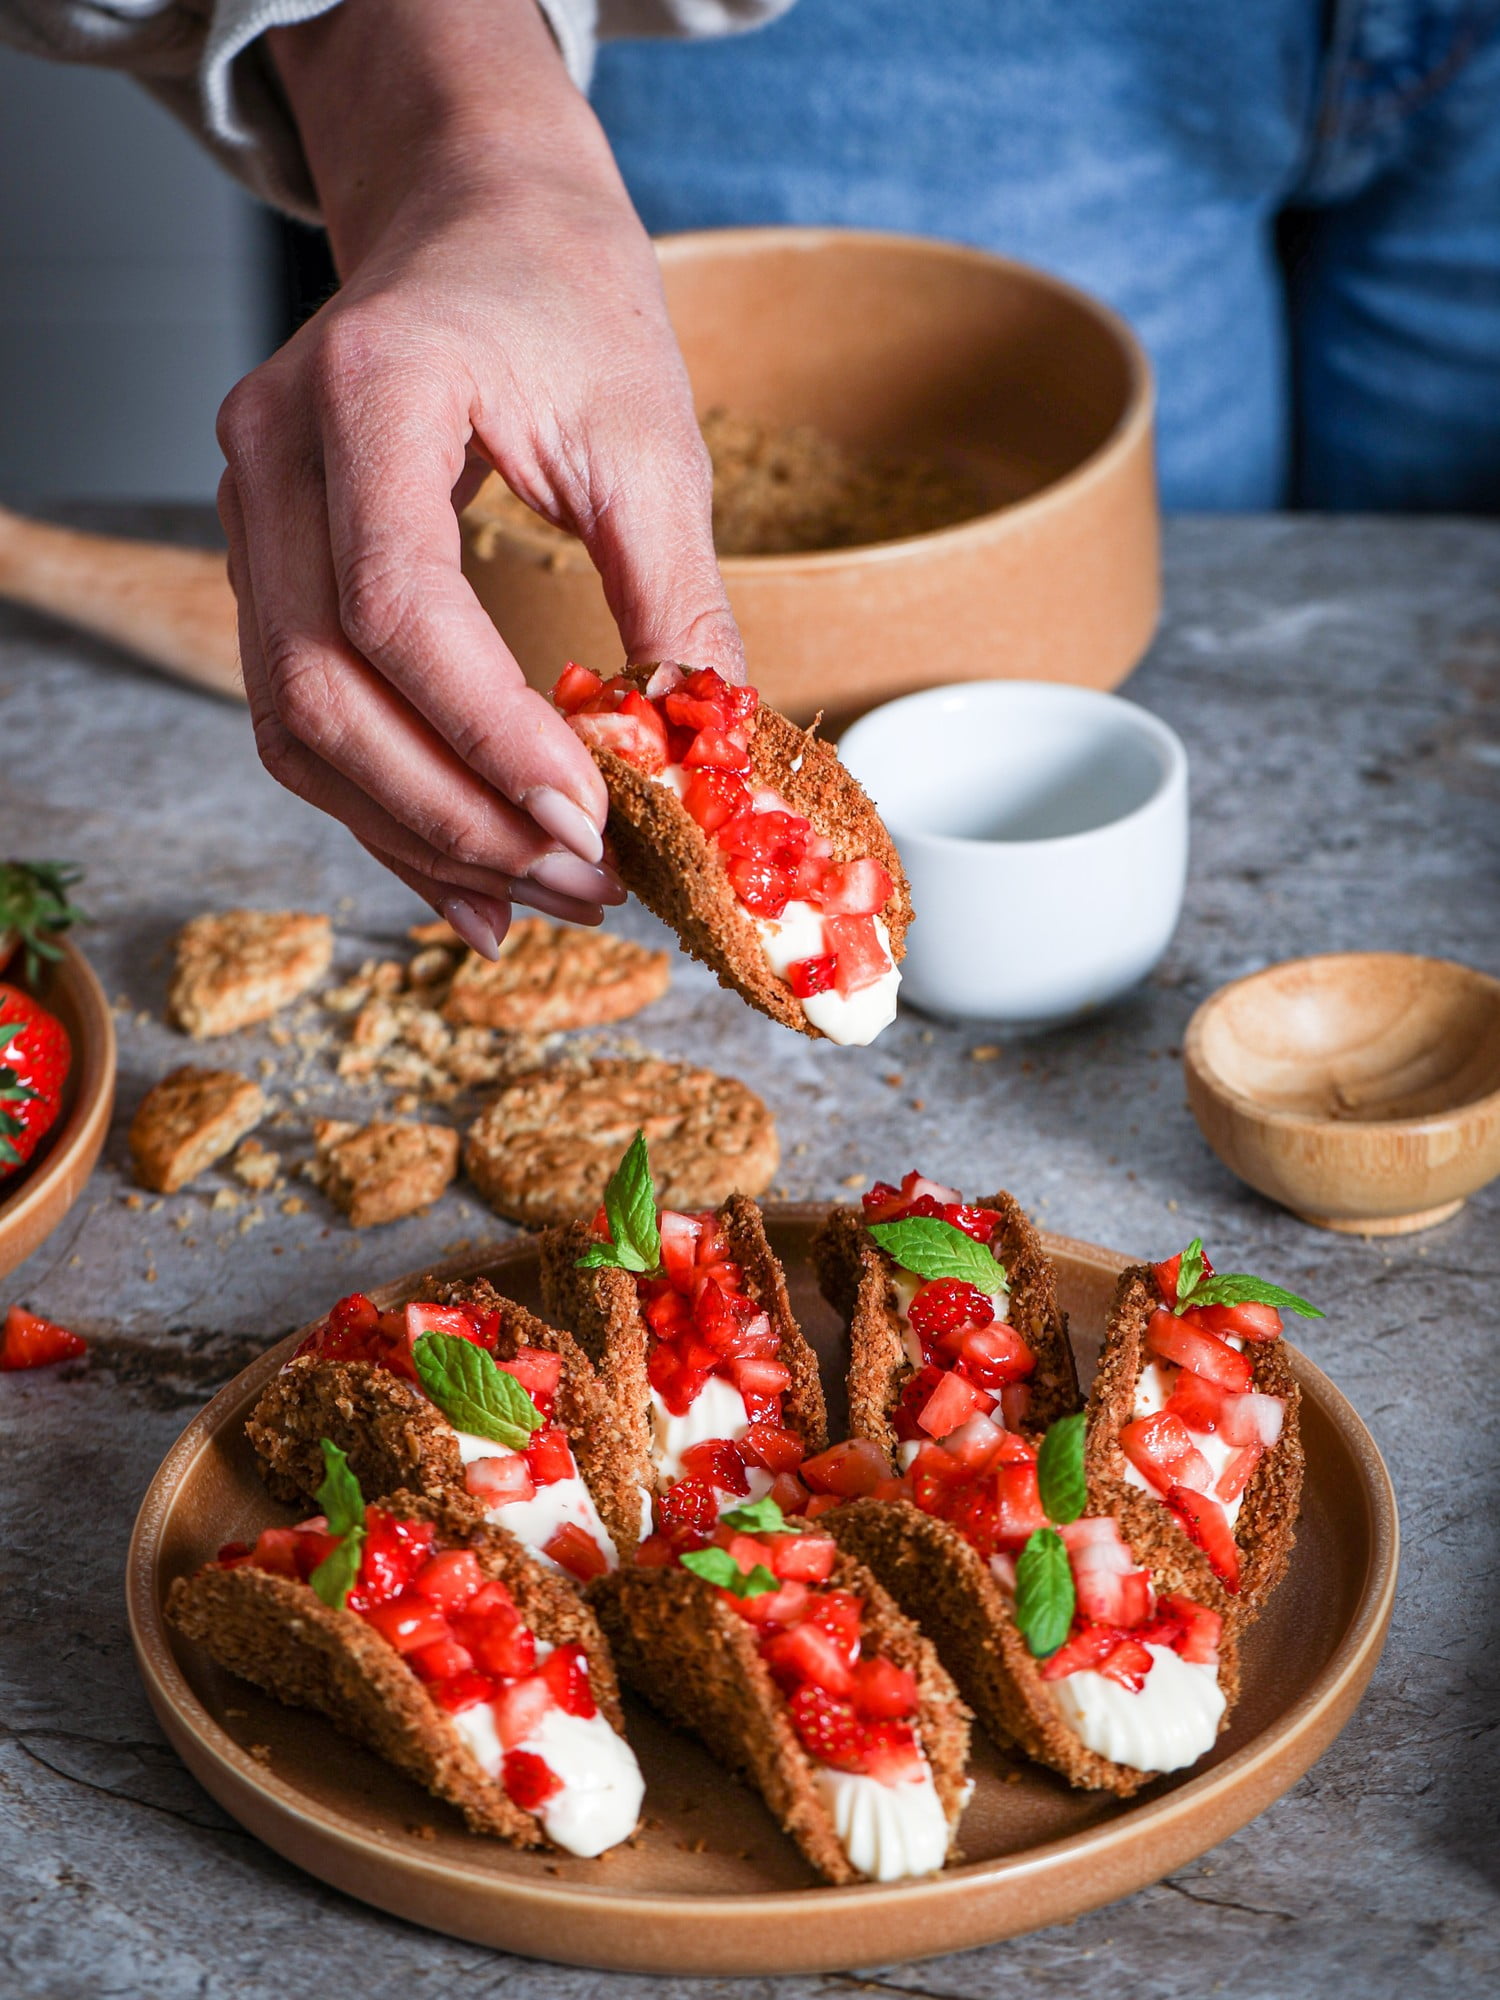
1265,1529
666,859
858,1280
693,1658
237,967
394,1437
279,1634
554,976
601,1308
543,1149
187,1121
940,1581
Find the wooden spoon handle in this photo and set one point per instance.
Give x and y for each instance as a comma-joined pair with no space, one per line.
172,606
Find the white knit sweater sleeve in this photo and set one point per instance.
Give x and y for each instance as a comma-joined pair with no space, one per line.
206,61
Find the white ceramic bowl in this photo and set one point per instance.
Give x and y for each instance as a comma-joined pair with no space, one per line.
1045,832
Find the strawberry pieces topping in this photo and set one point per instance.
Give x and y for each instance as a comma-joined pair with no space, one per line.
356,1330
32,1342
530,1780
575,1550
948,1305
1204,1521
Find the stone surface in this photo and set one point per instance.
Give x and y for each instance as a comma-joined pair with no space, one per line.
1337,685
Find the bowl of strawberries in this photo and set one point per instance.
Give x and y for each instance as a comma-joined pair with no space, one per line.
57,1057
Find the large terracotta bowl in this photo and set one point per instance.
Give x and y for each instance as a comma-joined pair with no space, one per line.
892,346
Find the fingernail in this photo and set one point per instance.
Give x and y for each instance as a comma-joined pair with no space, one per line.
565,820
476,931
551,904
581,879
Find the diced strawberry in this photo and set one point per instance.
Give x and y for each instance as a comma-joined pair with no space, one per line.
821,1503
828,1729
1018,1503
953,1402
774,1607
407,1622
549,1456
1252,1419
1161,1448
1190,1347
626,736
717,1461
1249,1321
686,710
883,1203
1113,1599
656,1552
994,1355
1237,1474
789,1493
690,1504
808,977
1084,1651
492,1600
777,1449
758,1375
421,1318
500,1646
883,1691
574,1549
275,1551
854,889
861,957
763,889
32,1342
456,1692
679,1245
538,1371
1128,1663
500,1481
575,686
717,749
975,1445
529,1780
804,1558
443,1660
948,1305
1199,1402
566,1672
519,1709
808,1653
1206,1523
450,1578
847,1470
1166,1275
916,1393
1200,1629
663,679
394,1551
839,1613
889,1753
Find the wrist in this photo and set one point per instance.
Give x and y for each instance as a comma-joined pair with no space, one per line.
396,99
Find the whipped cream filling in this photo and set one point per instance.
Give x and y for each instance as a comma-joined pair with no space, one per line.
1157,1381
888,1831
537,1520
851,1020
602,1787
1170,1723
717,1411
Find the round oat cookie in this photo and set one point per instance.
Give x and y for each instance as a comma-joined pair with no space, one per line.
552,976
543,1150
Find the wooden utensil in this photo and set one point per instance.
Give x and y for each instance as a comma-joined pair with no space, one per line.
171,606
1361,1090
711,1886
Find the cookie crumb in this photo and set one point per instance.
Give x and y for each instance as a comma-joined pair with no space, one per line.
986,1052
237,967
186,1122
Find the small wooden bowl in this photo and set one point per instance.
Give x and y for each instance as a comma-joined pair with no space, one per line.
33,1202
1361,1090
892,346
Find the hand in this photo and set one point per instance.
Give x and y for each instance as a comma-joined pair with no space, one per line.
500,306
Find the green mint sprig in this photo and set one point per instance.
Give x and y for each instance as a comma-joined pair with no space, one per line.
1232,1288
473,1392
718,1566
343,1508
630,1208
1045,1594
1059,1471
758,1517
931,1248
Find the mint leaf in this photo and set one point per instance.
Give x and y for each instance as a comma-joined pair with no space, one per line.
1237,1288
630,1209
1059,1471
931,1248
1045,1597
718,1566
1190,1271
472,1392
757,1517
343,1508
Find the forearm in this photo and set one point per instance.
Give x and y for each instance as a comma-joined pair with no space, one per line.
402,101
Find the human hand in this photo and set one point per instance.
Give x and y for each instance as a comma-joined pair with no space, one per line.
500,306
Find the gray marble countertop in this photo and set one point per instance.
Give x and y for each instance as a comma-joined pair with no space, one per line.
1338,686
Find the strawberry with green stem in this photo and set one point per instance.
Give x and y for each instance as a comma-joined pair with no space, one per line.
35,1055
34,908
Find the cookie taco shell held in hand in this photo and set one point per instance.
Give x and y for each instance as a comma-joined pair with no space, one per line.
354,1382
676,861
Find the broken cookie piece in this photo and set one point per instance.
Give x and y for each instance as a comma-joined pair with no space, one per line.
381,1172
552,976
187,1121
237,967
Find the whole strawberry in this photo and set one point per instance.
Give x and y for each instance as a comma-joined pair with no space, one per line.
34,907
35,1055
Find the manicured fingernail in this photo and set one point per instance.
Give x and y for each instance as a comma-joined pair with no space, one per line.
566,820
476,931
551,904
580,879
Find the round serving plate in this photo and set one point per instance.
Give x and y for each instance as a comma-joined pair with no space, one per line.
33,1202
710,1885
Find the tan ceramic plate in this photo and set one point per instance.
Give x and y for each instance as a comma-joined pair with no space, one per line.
713,1887
38,1199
